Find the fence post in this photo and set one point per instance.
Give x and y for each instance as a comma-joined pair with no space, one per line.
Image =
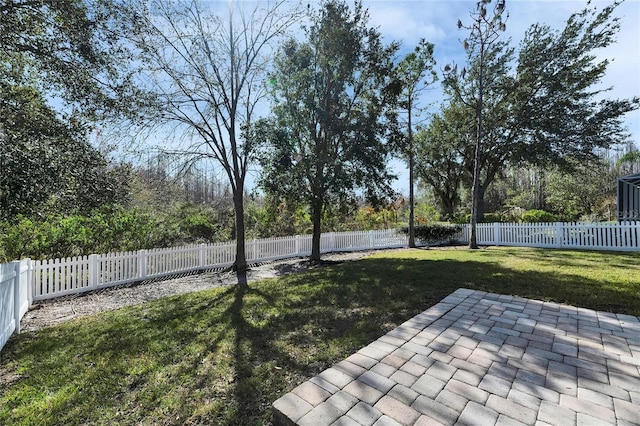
372,239
142,264
496,233
201,256
93,271
297,245
558,235
31,291
254,250
16,295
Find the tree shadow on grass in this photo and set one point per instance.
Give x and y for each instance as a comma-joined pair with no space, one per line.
333,312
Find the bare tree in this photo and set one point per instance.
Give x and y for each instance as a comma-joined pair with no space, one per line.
207,70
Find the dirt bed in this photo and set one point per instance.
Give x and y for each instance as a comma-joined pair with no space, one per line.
59,310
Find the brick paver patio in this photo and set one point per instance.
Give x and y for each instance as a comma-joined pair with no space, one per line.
479,358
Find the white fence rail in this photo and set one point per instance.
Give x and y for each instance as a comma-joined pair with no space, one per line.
623,236
59,277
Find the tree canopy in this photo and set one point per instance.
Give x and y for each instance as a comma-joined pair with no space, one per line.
46,162
60,72
75,49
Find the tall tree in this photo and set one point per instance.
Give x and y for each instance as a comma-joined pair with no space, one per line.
481,45
206,71
415,74
331,93
547,108
61,69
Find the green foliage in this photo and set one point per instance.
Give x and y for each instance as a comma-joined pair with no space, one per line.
72,50
277,219
413,75
109,229
583,192
557,108
438,159
426,213
629,162
197,224
462,218
630,157
538,216
105,230
492,218
370,218
435,233
47,164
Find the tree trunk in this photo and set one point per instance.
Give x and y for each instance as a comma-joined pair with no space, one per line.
448,207
240,264
316,218
482,206
475,195
412,230
473,242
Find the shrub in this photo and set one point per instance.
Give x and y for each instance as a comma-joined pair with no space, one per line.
492,217
461,218
464,219
537,216
105,230
430,234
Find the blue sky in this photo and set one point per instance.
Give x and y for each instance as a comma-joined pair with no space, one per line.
435,20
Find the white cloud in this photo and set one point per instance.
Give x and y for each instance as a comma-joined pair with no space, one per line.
406,21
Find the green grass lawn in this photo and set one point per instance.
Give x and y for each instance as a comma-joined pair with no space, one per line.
223,356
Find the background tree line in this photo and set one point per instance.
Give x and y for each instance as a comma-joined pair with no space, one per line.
518,129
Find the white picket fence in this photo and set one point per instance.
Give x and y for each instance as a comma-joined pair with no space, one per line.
23,282
26,281
622,236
